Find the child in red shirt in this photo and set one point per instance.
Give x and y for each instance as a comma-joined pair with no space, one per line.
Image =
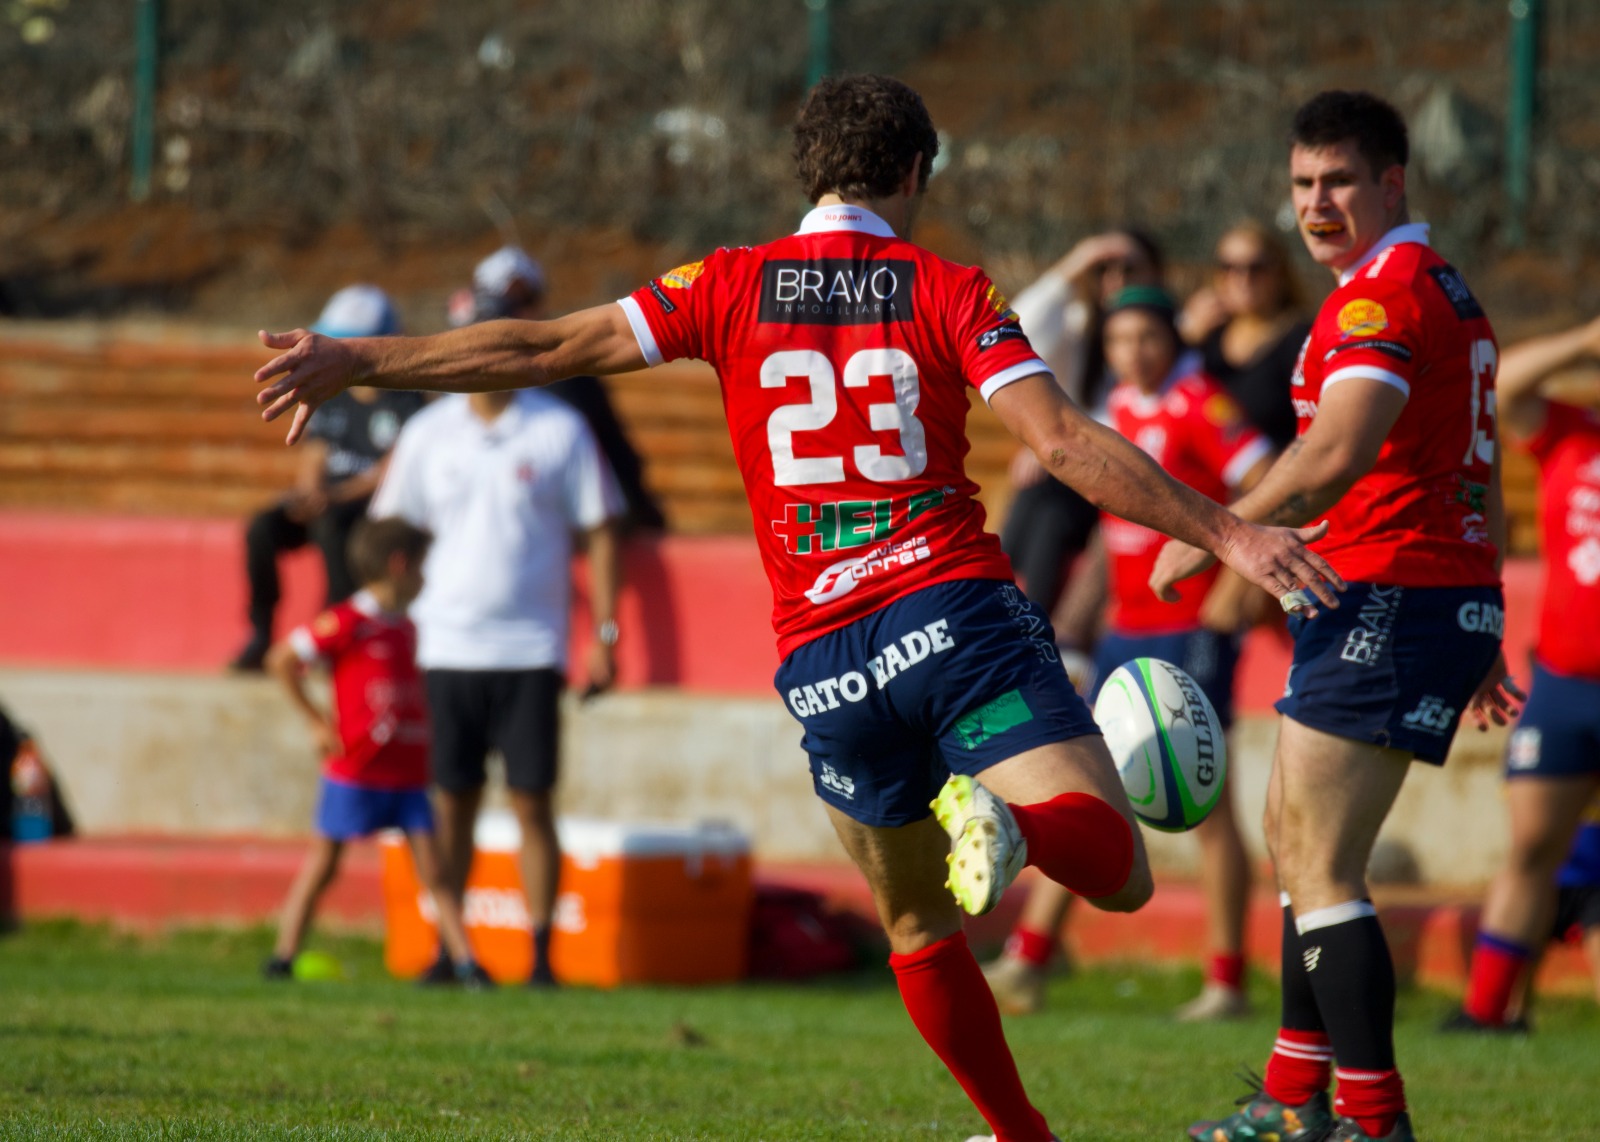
375,740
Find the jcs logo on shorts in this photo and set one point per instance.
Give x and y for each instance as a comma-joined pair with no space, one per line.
1431,716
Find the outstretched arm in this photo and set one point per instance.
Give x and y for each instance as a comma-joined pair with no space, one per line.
1117,477
495,355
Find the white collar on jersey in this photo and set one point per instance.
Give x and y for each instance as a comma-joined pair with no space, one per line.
1410,232
825,219
364,603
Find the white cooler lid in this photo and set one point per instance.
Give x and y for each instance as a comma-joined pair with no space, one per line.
587,839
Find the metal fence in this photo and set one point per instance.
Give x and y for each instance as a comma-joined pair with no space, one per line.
416,118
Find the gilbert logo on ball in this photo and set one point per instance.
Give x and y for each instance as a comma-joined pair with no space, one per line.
1166,741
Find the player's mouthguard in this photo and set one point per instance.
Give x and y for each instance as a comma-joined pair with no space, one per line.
1324,229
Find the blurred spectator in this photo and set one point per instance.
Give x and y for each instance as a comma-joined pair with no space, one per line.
1552,765
1250,324
340,465
1049,524
509,283
504,480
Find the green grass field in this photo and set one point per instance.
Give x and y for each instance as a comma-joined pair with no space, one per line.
109,1036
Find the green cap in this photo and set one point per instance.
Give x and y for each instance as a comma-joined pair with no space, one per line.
1144,297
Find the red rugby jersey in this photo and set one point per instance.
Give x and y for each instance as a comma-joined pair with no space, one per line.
1419,517
1198,433
1568,451
380,710
845,354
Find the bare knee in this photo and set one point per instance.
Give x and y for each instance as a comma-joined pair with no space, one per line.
913,930
1134,894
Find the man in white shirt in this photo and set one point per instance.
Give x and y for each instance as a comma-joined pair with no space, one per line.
503,481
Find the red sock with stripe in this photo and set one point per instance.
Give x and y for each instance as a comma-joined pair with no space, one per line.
1030,947
1301,1063
951,1004
1373,1098
1078,841
1497,964
1299,1067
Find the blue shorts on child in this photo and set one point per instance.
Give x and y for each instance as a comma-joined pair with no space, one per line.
346,812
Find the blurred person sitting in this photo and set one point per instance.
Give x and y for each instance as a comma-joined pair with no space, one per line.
374,739
505,481
510,283
1188,424
1048,523
347,441
1249,325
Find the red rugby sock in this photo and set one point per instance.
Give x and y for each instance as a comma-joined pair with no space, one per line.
1497,964
1078,841
1226,968
946,995
1373,1098
1300,1065
1030,947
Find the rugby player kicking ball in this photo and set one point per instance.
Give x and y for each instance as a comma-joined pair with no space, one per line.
909,656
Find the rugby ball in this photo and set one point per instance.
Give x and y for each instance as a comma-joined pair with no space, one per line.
1166,741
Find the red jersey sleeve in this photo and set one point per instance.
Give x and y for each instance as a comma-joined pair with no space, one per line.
668,314
325,637
1377,333
1223,437
990,346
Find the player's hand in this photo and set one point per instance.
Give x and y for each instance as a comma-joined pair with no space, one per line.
1277,559
602,668
1496,698
311,370
1176,562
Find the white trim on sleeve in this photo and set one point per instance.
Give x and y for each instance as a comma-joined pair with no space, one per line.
1247,458
1015,373
641,331
305,650
1367,372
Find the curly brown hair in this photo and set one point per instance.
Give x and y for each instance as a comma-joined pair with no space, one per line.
857,136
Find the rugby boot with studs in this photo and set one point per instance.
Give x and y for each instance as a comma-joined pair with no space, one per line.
987,850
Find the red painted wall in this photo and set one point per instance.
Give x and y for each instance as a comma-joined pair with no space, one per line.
134,593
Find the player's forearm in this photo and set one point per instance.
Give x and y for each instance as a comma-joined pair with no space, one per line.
605,571
1078,616
490,357
1119,478
284,665
1307,480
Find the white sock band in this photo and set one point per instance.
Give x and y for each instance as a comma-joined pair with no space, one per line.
1335,914
1283,900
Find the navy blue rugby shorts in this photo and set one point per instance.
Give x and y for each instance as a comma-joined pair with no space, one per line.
1394,666
950,679
1558,734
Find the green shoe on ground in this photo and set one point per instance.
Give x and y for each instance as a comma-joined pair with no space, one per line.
1262,1118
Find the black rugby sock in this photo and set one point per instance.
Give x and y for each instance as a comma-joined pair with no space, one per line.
1351,972
1300,1011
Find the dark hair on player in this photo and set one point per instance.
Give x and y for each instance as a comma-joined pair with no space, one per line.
857,135
1151,248
1331,117
374,542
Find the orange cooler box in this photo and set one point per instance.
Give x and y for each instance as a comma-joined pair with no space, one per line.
639,903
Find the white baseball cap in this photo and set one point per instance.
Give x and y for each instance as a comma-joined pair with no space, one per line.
358,311
508,265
